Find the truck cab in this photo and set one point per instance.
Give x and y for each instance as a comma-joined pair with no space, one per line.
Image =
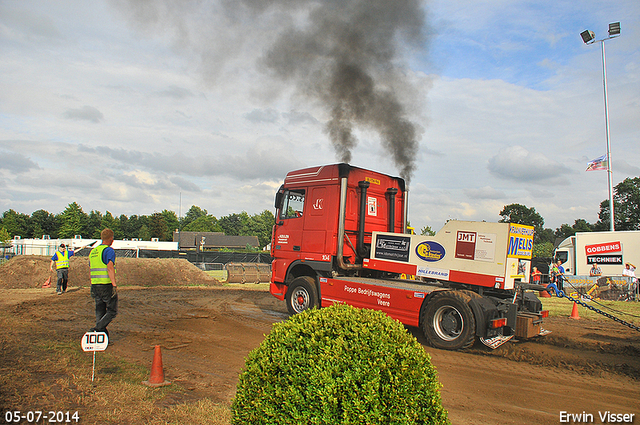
325,217
565,253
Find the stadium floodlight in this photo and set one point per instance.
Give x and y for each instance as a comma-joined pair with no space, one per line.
614,29
589,37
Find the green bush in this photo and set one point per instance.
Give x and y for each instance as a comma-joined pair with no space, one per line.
339,365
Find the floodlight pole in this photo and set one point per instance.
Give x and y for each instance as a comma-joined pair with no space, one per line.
592,40
606,126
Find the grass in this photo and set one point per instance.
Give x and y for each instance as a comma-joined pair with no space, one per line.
625,310
221,275
46,372
249,286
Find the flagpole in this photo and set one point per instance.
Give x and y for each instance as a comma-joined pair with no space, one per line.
606,123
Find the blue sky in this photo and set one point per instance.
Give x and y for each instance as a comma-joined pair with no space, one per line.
134,107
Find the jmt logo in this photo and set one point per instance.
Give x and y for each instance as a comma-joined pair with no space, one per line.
466,237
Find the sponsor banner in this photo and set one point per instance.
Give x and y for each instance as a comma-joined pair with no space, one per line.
589,281
392,247
520,241
522,270
486,247
466,245
604,259
476,246
433,273
603,248
372,206
372,180
430,251
382,298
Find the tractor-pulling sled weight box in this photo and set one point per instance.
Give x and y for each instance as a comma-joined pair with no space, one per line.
341,236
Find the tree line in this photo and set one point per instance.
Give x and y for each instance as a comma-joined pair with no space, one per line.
74,221
626,207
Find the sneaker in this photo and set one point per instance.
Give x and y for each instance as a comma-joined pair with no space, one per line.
59,293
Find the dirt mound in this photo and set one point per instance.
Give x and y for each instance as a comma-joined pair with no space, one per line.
31,271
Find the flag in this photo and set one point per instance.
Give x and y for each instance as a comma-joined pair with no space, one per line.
600,163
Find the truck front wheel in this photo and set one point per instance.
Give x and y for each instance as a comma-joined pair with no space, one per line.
448,321
301,295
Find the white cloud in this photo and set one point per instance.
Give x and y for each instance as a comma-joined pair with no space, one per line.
16,162
86,113
518,164
135,109
486,192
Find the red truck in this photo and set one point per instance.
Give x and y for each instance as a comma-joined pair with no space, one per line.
341,236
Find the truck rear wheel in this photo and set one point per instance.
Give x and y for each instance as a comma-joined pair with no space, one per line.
301,295
448,321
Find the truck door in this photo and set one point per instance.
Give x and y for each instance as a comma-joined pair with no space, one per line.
287,235
315,222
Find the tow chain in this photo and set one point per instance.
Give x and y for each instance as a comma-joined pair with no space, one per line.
561,294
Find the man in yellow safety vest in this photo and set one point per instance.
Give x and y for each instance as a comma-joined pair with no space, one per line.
102,262
61,260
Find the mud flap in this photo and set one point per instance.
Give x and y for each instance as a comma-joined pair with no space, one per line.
496,341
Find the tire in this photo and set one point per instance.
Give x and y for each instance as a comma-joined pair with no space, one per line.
448,321
301,295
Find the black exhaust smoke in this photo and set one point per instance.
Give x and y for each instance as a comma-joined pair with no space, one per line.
347,56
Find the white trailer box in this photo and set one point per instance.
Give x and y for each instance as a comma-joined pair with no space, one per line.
611,250
494,255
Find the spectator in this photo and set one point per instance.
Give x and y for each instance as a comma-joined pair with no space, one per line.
536,276
595,270
560,276
630,271
553,272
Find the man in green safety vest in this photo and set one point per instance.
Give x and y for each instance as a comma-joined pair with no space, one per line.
102,264
61,260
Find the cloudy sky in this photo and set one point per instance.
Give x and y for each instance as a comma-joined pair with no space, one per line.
134,107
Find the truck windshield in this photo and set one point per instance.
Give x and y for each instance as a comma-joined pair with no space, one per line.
563,256
292,204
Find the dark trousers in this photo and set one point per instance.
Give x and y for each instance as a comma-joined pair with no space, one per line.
561,282
63,278
106,305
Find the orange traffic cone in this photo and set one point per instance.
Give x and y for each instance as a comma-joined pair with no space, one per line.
545,294
574,312
47,283
157,373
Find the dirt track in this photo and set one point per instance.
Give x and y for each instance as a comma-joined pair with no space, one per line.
205,333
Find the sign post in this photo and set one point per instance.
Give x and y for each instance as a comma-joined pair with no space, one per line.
94,341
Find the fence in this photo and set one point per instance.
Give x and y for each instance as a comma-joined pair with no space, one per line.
228,257
196,258
209,266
